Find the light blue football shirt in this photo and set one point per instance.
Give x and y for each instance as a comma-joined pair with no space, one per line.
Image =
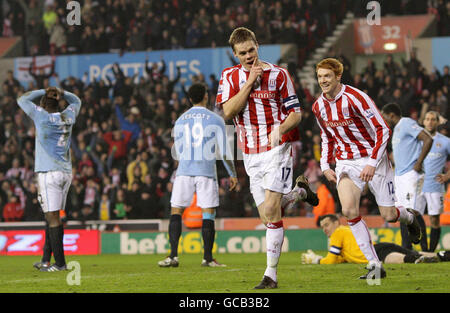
200,139
53,131
434,163
405,145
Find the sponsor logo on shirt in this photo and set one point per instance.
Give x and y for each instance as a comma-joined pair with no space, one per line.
340,123
263,94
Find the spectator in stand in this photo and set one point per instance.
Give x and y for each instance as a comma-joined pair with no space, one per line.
155,73
10,84
32,211
130,123
40,77
118,141
136,171
58,38
119,205
13,211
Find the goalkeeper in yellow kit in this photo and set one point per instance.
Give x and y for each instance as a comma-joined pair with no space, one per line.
344,249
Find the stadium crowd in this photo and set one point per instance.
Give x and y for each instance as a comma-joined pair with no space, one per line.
121,144
137,25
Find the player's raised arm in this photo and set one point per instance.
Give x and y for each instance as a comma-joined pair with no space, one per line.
26,101
73,100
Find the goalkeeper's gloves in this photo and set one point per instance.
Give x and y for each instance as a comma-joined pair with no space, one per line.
310,257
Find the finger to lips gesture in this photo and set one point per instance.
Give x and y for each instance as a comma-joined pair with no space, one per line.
256,71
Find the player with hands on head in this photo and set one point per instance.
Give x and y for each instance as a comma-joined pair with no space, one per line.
53,164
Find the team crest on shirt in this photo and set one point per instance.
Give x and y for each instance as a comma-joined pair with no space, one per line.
345,112
272,83
438,145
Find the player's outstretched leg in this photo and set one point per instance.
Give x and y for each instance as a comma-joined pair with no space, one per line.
300,192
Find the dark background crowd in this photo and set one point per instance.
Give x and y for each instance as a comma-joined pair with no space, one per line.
121,144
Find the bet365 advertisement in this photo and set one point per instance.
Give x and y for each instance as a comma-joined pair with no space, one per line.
253,241
31,242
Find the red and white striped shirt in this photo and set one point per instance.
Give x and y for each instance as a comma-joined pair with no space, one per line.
267,106
352,125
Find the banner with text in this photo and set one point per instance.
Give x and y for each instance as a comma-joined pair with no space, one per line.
99,66
238,241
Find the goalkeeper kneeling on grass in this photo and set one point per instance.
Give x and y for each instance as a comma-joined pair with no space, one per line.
344,249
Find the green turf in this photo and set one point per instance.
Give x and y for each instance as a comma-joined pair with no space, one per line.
140,273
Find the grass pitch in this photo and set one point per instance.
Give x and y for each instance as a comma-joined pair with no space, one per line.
141,274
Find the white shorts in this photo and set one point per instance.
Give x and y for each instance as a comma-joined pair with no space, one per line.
184,187
382,183
408,188
52,190
269,170
434,201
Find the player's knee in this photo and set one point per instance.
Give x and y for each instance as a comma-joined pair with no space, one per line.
350,212
435,221
53,219
389,216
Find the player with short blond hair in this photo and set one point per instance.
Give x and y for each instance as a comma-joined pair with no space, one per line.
355,136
